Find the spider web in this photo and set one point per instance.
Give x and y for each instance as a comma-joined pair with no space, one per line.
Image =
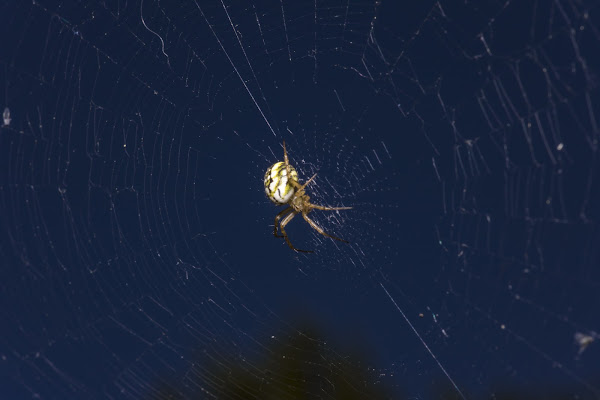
137,240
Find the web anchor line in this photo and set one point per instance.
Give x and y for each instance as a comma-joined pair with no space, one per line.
249,64
423,341
234,67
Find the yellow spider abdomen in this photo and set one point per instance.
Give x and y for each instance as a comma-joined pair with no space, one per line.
277,186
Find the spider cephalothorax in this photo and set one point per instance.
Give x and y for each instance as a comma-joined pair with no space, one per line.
283,188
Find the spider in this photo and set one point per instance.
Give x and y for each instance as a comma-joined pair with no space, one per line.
283,188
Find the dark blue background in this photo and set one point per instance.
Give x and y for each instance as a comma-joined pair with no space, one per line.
137,240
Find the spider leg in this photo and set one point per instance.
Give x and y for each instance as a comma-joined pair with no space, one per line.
329,208
317,206
288,169
285,157
321,231
278,217
285,221
307,182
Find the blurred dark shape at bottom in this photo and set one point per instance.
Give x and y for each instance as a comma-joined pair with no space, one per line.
300,366
306,366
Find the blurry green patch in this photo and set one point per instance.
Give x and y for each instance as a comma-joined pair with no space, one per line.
303,366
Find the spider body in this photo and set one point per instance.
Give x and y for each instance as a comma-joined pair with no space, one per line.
278,187
283,188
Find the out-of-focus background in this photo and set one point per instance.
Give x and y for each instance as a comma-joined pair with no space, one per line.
136,241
